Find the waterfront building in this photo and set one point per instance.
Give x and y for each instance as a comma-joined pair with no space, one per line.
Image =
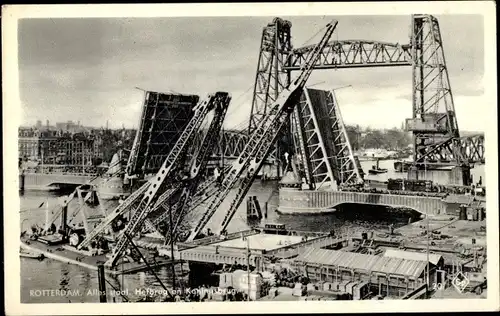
52,146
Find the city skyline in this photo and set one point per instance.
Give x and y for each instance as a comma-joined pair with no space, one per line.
123,126
93,77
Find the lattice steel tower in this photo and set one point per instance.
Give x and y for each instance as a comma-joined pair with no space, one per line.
434,124
316,132
271,77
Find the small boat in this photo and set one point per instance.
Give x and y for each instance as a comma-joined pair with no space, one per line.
376,169
32,255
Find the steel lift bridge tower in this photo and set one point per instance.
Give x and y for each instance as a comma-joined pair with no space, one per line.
324,151
322,147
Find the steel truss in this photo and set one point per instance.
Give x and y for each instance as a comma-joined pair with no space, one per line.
354,54
163,118
434,124
472,148
271,77
432,96
321,136
171,180
260,144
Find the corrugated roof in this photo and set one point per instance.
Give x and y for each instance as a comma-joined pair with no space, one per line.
350,260
412,255
386,265
411,267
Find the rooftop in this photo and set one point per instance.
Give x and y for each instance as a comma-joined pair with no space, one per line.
412,255
357,261
261,242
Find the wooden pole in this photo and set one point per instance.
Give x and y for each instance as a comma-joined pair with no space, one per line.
102,283
22,180
171,245
147,264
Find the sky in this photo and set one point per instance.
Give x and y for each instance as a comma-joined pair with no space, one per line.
88,69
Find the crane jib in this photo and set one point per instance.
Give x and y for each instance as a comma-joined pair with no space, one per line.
169,176
258,146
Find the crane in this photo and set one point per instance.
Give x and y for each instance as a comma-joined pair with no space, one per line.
205,191
260,143
170,176
197,166
131,202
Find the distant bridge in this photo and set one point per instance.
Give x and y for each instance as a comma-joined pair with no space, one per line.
472,147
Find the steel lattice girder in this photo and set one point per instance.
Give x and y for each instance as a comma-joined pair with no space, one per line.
354,54
472,148
329,156
233,142
271,77
434,124
163,118
431,88
317,155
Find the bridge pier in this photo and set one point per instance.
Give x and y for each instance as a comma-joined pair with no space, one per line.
453,175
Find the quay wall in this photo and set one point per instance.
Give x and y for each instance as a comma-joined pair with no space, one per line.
35,181
315,202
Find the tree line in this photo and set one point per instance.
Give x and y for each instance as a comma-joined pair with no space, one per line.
390,139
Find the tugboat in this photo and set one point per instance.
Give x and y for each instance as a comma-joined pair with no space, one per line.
376,169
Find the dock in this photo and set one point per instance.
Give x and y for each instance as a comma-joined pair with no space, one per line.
69,255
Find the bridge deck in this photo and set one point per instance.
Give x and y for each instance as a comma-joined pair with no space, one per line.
303,202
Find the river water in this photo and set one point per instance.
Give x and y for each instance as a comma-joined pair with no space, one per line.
77,284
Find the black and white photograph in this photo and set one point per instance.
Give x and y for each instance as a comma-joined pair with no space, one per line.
256,157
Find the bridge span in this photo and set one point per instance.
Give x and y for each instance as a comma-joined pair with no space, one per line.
317,202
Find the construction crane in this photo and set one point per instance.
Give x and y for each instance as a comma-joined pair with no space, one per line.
170,177
197,166
147,195
205,191
261,140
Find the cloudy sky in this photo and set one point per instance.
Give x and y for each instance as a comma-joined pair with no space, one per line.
87,69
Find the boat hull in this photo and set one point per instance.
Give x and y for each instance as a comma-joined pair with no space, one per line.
371,171
111,188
